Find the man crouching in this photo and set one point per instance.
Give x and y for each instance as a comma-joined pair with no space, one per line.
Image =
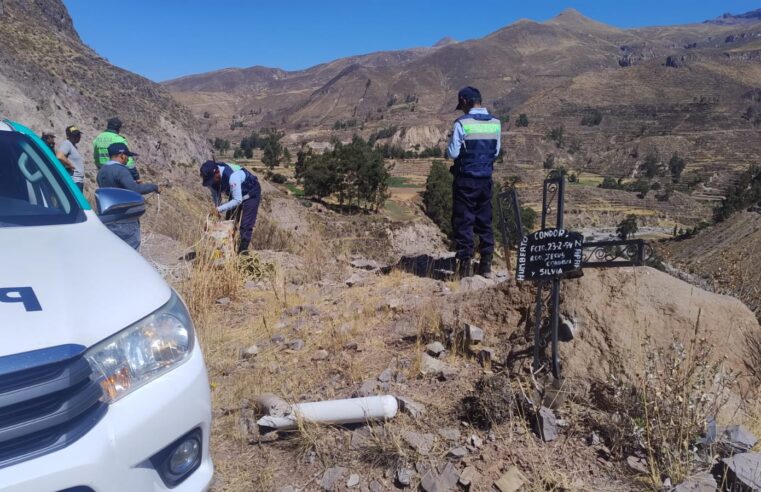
244,194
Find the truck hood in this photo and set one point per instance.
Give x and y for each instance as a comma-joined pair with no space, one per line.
88,285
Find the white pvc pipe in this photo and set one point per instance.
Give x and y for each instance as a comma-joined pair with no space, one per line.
349,411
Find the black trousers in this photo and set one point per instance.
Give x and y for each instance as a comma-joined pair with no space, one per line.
472,215
245,214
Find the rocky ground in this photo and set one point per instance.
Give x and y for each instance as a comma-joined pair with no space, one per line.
651,357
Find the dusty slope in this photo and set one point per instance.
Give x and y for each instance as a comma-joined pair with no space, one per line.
49,79
351,335
727,255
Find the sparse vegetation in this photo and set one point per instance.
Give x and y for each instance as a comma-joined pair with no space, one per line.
437,198
627,227
522,120
355,174
746,192
557,135
591,118
676,166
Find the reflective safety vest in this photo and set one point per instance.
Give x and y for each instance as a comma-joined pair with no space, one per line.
250,184
479,146
100,147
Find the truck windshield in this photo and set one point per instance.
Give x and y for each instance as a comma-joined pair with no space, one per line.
32,191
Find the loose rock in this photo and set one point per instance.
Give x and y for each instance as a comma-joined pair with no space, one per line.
331,477
375,486
410,407
367,388
703,482
443,480
744,471
386,375
473,333
637,464
224,301
737,438
353,480
512,481
547,424
450,433
458,452
250,352
430,365
422,443
296,344
475,283
320,355
435,348
404,477
467,476
355,280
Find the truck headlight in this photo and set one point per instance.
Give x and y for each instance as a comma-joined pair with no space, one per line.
144,351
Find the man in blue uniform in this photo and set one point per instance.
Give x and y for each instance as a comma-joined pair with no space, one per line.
474,146
243,191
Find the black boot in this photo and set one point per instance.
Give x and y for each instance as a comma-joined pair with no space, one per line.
484,265
464,268
243,247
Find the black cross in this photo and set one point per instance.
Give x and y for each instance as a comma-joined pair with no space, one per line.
568,252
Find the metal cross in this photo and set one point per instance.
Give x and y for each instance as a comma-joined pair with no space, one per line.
595,254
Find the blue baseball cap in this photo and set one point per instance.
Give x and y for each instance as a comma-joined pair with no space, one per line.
468,94
119,148
208,169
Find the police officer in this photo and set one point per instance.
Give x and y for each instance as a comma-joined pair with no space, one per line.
104,140
114,174
243,191
474,146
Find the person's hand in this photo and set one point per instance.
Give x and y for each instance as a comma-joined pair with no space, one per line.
214,212
158,189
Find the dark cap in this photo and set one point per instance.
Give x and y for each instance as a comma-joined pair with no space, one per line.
119,148
48,136
468,94
114,124
208,169
73,130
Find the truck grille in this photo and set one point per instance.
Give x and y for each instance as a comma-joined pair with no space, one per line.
47,401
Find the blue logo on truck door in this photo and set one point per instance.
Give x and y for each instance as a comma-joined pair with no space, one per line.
24,295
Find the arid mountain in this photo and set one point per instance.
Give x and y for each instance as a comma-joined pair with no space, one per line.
692,89
50,79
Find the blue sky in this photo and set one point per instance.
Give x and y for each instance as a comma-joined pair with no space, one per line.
164,39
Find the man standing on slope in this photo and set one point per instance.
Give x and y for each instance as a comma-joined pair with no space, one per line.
243,191
104,140
474,146
70,157
114,174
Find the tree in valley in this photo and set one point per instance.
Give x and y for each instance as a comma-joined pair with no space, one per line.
627,227
437,197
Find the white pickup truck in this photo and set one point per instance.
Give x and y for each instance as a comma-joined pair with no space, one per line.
103,386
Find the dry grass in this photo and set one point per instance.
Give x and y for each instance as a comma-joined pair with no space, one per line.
663,414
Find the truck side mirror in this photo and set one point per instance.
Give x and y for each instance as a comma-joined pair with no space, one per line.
115,204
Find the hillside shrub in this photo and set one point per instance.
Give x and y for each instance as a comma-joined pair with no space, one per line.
592,118
522,120
557,135
676,166
746,192
627,227
437,197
